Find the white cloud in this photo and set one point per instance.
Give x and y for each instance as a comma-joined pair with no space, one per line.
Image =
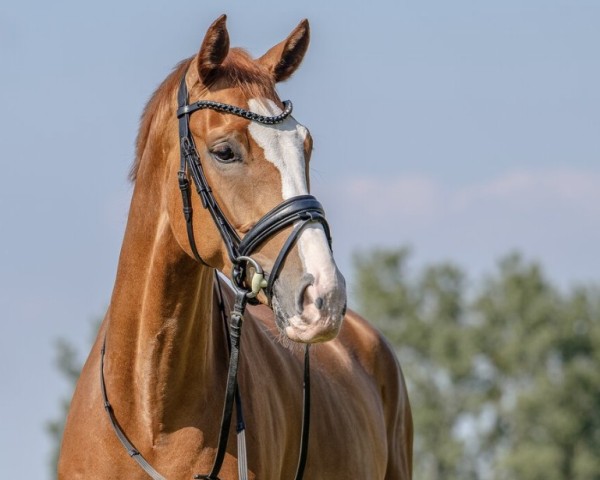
558,187
413,196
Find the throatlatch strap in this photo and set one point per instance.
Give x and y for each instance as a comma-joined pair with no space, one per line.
184,186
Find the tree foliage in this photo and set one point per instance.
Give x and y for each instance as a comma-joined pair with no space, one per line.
504,378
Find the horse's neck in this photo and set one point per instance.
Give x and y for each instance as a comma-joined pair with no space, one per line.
161,337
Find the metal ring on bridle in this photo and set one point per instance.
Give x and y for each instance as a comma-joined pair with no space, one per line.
258,281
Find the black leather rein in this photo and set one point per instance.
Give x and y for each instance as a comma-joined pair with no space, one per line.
299,212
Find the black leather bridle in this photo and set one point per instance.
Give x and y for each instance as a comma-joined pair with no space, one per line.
299,212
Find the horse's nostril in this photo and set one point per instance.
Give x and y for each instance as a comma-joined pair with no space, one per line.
307,281
319,303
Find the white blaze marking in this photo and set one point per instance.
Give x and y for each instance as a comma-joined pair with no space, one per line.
283,146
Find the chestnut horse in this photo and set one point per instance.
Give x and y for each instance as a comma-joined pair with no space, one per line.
165,362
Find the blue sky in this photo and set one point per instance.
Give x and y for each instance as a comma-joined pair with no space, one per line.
465,129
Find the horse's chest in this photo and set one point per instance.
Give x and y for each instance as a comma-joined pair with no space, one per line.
347,429
349,437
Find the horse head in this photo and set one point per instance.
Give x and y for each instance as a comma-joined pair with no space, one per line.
254,170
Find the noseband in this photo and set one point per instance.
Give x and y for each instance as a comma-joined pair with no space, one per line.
299,211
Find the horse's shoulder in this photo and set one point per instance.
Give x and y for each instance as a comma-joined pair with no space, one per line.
378,354
369,345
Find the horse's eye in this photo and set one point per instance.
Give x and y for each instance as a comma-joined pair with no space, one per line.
223,153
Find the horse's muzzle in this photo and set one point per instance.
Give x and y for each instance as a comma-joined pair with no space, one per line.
320,305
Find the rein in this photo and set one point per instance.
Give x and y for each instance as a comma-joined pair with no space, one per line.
299,211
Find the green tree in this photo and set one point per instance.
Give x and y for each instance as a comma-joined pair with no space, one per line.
544,349
504,379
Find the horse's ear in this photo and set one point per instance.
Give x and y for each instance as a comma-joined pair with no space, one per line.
214,49
284,58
